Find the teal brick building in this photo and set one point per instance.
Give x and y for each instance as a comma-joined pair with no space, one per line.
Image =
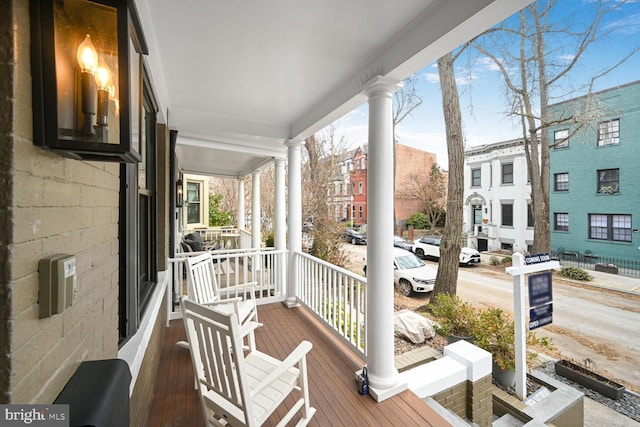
595,175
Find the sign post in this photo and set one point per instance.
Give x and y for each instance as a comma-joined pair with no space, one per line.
522,265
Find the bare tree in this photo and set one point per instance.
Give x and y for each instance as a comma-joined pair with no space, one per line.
320,167
447,277
535,57
431,190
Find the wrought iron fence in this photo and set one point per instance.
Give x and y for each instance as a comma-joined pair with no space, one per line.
589,261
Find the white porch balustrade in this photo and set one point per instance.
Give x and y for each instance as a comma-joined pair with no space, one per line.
334,295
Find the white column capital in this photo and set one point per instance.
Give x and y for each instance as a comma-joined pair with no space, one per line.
294,144
381,85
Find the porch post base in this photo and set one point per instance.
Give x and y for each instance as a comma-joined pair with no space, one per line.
291,302
380,394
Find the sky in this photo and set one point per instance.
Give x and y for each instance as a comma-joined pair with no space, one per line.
481,87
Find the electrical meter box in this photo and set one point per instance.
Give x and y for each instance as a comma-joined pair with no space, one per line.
57,277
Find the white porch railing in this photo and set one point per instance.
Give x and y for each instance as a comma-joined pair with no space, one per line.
266,267
336,296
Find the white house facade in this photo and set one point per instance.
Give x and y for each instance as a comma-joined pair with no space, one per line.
497,198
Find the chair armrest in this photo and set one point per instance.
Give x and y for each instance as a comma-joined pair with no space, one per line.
294,358
223,301
249,327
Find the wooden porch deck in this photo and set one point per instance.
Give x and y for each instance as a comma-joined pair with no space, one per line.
331,368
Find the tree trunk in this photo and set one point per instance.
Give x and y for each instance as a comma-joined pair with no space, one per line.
447,278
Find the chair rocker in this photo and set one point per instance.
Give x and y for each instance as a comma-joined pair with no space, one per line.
239,387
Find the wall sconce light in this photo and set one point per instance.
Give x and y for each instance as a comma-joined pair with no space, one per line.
84,55
179,194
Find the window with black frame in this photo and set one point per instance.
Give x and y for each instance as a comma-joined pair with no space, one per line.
612,227
507,173
507,214
476,177
609,133
608,181
561,181
561,221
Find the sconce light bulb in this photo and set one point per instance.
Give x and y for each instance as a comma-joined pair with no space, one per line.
103,77
87,56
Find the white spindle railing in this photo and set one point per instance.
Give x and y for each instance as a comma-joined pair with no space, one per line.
335,295
265,268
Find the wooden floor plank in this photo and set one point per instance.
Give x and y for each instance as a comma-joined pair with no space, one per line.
331,368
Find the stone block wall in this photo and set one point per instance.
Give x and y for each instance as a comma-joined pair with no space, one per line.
480,401
469,400
454,399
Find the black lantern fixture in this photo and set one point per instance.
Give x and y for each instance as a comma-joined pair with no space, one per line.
85,57
179,194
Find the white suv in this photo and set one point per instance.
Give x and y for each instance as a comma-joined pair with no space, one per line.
430,247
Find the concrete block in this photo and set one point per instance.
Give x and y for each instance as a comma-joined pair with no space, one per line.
476,360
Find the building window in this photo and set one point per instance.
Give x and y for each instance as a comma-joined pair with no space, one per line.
507,214
193,203
507,173
561,181
609,133
529,215
360,211
561,138
360,187
476,178
610,227
608,181
561,221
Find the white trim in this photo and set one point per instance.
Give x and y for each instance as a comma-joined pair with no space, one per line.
134,350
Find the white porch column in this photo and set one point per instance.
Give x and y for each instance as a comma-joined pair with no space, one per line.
383,376
280,226
256,237
241,212
294,149
280,234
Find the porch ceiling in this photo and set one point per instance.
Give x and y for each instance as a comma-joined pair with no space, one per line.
238,78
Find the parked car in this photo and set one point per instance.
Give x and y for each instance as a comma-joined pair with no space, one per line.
353,236
410,273
430,247
402,243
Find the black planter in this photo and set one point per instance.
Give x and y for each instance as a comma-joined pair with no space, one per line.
589,379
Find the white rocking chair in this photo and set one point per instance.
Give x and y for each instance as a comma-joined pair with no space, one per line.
238,387
203,288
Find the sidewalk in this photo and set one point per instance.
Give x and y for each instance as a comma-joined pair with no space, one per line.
614,282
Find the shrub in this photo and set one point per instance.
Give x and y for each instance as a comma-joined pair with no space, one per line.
494,260
495,333
419,221
506,260
492,329
575,273
454,316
